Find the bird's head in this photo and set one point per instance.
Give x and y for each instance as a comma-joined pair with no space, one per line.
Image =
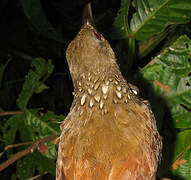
89,51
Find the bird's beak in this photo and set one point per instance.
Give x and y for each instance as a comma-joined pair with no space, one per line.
87,16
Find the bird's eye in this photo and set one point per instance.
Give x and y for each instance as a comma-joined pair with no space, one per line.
97,36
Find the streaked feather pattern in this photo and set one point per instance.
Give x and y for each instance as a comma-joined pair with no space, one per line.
110,133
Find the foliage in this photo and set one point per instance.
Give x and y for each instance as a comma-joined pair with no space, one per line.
152,37
33,124
32,83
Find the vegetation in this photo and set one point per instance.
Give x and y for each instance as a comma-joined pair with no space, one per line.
151,39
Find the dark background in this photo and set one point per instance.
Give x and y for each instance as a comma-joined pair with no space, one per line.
21,41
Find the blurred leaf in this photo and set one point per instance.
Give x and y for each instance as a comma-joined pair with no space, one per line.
169,75
12,126
26,167
120,24
2,69
40,87
154,16
32,126
44,125
149,22
182,155
122,31
146,46
44,164
34,12
32,83
13,176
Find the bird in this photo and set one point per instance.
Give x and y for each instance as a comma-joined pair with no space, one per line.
110,133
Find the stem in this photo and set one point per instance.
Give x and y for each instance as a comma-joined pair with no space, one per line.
131,52
29,150
9,113
17,145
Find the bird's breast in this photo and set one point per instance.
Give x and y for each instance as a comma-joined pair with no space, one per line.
109,133
97,139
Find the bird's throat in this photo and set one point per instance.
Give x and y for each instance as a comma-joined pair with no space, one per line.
97,91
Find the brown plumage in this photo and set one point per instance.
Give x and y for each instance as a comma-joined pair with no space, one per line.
109,133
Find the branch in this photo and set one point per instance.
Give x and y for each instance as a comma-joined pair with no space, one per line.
37,176
17,145
29,150
9,113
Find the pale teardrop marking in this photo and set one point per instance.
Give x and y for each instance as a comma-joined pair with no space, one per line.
101,104
91,102
105,89
96,86
124,90
97,97
89,78
116,82
107,83
129,97
79,83
89,91
134,91
92,85
115,101
105,96
96,79
105,111
83,100
118,88
119,95
80,89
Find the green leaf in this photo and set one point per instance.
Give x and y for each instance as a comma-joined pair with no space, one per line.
147,45
43,125
122,31
34,12
40,87
153,16
35,161
32,84
26,167
169,75
148,24
12,126
120,25
182,155
2,69
13,176
44,164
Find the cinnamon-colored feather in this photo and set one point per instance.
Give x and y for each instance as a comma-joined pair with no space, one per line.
109,133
